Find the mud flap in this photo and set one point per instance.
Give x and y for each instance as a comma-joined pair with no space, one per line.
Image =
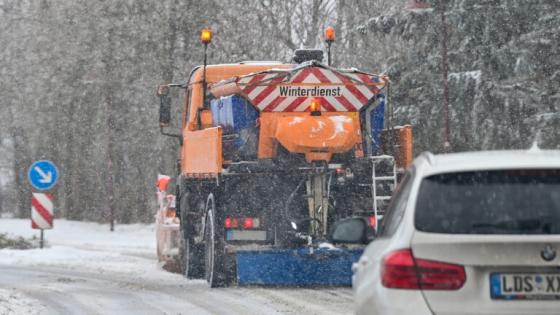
297,267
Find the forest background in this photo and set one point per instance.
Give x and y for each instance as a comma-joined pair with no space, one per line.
78,80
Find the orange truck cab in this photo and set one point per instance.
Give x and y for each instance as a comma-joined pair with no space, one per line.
275,156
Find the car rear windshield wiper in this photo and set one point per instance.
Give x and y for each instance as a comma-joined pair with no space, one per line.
543,225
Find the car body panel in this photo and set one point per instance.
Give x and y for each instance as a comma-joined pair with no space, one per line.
366,281
480,254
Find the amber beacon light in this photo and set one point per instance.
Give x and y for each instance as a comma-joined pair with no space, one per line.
206,36
329,39
330,34
315,107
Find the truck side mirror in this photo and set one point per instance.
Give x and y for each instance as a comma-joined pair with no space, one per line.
164,105
350,230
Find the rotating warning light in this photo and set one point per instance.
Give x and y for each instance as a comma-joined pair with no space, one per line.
206,36
330,34
315,105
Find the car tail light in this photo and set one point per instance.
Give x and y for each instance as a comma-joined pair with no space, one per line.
398,270
401,270
436,275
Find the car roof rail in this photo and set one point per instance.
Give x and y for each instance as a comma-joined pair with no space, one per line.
429,156
257,62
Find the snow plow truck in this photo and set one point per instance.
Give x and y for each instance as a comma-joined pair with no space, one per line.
285,169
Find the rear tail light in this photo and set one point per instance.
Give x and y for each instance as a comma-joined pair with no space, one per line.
231,223
398,270
227,223
248,223
245,223
401,270
440,276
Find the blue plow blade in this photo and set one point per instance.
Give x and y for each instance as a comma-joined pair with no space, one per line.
296,267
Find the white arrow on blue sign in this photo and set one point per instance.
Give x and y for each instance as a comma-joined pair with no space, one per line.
43,175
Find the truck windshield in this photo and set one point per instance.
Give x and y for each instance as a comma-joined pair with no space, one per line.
490,202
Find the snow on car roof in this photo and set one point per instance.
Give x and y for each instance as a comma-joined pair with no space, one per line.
430,164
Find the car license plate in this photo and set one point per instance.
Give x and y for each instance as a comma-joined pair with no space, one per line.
525,286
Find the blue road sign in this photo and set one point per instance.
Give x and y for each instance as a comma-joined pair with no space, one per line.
43,175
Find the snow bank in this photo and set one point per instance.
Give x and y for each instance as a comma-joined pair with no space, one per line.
130,237
75,245
13,303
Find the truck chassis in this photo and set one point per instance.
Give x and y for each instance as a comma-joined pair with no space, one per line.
292,216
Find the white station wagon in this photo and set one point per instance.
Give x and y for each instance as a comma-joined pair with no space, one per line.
467,233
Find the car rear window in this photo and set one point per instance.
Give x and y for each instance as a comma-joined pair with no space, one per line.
490,202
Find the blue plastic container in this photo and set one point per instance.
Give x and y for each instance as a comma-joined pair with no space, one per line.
377,121
233,113
238,119
377,118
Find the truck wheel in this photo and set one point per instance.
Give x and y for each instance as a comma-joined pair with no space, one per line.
190,253
193,254
214,247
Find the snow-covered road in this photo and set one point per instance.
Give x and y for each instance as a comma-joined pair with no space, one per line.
88,270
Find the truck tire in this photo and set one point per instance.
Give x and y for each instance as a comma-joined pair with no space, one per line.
194,266
214,247
191,254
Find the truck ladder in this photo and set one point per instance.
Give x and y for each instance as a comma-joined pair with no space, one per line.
389,175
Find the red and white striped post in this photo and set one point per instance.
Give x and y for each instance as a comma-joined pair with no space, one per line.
42,212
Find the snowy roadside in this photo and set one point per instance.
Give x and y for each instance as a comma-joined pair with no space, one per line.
121,271
130,249
13,303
